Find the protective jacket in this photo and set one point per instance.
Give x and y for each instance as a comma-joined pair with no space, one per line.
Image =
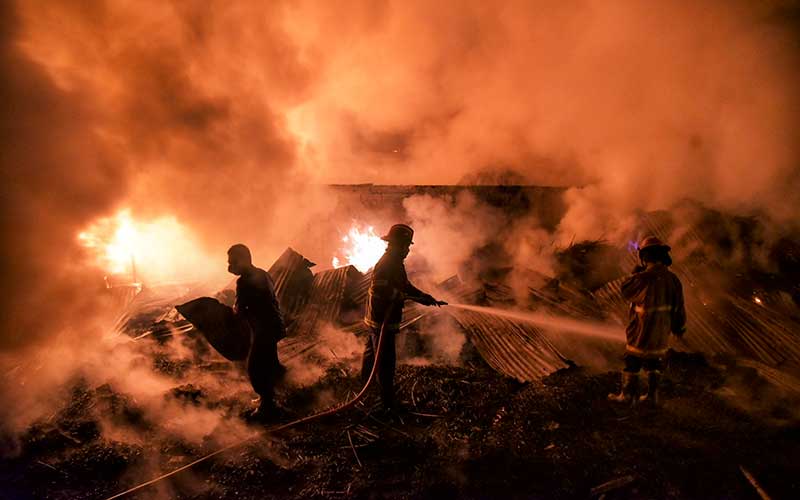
389,285
657,309
257,304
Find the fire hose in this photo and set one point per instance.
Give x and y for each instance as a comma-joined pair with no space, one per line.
325,413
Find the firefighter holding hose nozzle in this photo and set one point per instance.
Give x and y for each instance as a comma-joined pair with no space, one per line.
388,290
656,310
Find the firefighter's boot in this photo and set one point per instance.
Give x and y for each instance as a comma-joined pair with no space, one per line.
629,392
653,380
266,411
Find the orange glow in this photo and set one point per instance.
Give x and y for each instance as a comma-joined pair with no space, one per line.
155,250
115,242
362,248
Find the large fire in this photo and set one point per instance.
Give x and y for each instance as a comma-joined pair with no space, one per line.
156,250
362,249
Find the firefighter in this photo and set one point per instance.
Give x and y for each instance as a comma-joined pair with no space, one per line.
656,310
389,288
257,305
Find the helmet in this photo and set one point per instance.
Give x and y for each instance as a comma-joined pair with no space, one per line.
651,242
400,233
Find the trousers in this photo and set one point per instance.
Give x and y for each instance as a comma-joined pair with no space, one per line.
263,366
386,364
634,363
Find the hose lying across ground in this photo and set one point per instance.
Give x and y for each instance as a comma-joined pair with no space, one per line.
325,413
582,327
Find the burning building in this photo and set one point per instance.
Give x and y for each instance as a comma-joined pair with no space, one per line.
754,323
529,144
506,321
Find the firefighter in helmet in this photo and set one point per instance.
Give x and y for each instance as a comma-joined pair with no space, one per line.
656,310
389,288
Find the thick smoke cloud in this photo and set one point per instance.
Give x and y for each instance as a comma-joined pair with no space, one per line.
642,103
56,173
222,114
191,100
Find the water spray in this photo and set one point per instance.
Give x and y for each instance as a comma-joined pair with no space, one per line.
559,323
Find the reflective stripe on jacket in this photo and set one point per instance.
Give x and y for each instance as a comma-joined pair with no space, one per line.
657,309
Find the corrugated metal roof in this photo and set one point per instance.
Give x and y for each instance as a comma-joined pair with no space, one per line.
777,378
515,349
705,333
292,277
361,288
726,325
331,291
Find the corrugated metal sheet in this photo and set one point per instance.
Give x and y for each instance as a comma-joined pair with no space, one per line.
515,349
729,325
725,324
331,291
764,335
778,378
154,305
293,278
705,332
518,349
361,288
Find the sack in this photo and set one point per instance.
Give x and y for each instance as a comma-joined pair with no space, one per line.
228,333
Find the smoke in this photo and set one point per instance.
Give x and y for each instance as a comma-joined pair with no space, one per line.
444,339
136,389
333,348
448,231
464,236
225,115
642,104
220,114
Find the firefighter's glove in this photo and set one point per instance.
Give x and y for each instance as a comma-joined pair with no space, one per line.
428,300
437,303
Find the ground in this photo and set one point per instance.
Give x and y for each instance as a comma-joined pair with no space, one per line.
468,433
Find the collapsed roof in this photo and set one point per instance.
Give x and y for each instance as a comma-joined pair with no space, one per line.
759,324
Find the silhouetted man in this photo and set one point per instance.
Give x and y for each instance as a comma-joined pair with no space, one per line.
257,304
657,309
388,290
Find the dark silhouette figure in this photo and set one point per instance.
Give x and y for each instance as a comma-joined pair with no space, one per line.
257,305
387,292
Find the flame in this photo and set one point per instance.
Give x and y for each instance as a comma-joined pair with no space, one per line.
362,249
156,250
114,241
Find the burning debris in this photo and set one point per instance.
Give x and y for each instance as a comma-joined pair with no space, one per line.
133,251
142,139
585,287
468,430
505,371
363,248
722,325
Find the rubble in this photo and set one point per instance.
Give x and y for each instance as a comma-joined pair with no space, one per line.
521,411
469,433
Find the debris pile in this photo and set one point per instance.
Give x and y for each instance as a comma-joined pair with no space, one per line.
519,410
467,432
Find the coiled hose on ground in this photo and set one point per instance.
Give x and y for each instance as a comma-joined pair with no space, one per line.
325,413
